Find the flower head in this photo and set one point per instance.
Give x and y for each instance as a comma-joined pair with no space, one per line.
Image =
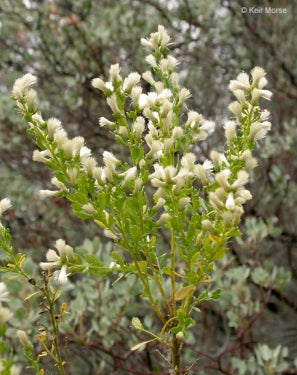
58,259
23,338
156,40
5,204
21,84
5,315
3,292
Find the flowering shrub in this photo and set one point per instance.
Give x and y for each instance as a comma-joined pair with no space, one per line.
161,186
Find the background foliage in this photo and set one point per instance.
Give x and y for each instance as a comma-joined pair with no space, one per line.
66,44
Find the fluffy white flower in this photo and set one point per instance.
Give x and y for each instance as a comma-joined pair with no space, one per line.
257,94
53,125
257,73
131,81
160,38
218,159
112,102
21,84
61,275
99,84
230,130
129,175
150,59
5,315
242,82
188,161
230,204
222,178
23,338
138,126
109,158
259,130
114,72
5,204
242,179
58,259
105,122
41,156
89,164
207,165
235,107
3,292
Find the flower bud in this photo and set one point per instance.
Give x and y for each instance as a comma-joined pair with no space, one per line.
112,102
230,130
5,204
183,202
23,338
53,125
138,126
257,74
131,81
230,204
206,224
235,107
31,99
114,73
99,84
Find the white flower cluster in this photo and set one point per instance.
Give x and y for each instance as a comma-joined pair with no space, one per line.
152,126
157,40
157,113
60,147
176,178
60,260
228,198
248,94
251,125
25,97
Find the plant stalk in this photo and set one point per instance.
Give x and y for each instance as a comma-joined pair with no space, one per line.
176,355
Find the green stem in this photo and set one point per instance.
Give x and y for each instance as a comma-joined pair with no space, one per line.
159,285
54,322
145,283
172,275
176,355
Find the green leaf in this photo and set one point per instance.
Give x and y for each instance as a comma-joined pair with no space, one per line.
207,296
92,260
136,154
2,330
143,266
234,233
118,259
120,140
184,292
